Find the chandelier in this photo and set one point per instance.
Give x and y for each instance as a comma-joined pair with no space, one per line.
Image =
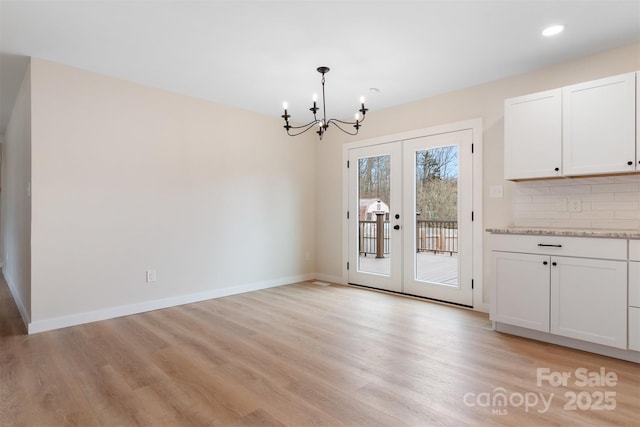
323,123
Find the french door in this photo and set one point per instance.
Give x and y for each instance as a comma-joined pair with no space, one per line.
375,198
410,208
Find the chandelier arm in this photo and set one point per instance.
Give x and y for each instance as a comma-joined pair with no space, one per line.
343,122
335,122
310,124
304,128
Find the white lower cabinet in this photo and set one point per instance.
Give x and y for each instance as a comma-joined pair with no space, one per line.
521,296
589,300
551,290
634,328
634,283
634,295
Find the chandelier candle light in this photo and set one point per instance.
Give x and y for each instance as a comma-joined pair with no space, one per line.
323,123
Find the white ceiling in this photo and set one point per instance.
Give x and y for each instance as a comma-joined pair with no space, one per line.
257,54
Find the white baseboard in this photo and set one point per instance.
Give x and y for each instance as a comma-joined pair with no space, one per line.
483,308
329,278
628,355
16,297
126,310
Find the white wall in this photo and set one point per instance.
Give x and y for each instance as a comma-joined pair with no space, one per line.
485,101
16,207
128,178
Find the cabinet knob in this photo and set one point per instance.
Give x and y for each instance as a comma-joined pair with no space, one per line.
554,263
544,263
557,169
629,163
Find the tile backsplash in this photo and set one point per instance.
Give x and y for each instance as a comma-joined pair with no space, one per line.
598,203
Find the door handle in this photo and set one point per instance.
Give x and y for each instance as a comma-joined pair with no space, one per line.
396,227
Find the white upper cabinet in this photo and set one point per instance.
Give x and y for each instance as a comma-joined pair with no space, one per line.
533,135
583,129
599,126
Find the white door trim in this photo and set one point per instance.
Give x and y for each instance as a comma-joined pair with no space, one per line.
475,125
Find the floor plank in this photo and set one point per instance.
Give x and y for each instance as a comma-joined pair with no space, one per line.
298,355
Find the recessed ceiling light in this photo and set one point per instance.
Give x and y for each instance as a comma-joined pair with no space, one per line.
553,30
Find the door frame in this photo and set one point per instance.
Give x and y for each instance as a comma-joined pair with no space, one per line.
476,127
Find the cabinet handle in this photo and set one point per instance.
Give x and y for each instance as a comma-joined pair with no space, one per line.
629,163
549,246
554,263
557,169
544,263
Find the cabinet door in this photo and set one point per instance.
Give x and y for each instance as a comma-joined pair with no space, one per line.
634,284
599,126
533,135
589,300
634,328
521,290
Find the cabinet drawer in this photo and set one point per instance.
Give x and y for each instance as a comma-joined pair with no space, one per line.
583,247
634,250
634,328
634,284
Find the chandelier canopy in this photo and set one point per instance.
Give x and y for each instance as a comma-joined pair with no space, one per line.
323,123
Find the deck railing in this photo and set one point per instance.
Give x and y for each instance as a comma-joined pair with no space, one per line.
369,237
431,236
437,236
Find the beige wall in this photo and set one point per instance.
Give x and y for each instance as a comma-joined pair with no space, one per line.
484,101
128,178
16,207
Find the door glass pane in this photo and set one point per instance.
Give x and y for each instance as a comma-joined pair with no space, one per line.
437,215
374,183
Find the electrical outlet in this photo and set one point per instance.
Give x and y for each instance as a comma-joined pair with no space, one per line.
496,191
575,205
151,276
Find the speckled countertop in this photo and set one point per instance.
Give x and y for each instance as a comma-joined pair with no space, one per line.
610,234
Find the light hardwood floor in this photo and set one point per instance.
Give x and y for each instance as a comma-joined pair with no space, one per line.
299,355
